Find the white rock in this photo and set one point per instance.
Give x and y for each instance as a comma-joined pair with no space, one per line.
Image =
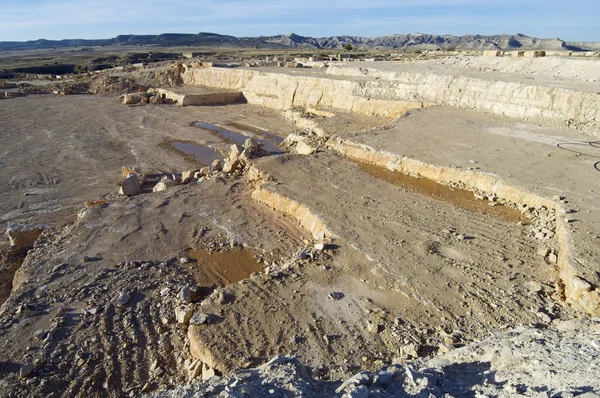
207,372
183,314
164,184
231,166
302,148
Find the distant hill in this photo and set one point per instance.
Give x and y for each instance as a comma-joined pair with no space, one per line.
398,41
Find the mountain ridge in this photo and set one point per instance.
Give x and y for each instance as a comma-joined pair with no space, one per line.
417,41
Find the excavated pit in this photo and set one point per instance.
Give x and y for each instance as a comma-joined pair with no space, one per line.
410,266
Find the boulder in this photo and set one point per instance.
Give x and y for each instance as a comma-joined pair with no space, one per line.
251,148
130,185
188,176
207,372
231,166
25,371
164,184
302,148
216,165
534,54
251,144
183,314
492,53
132,99
235,152
205,171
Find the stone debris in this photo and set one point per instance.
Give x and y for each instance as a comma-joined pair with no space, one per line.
373,327
164,184
410,351
319,246
200,319
26,370
235,152
216,165
143,98
188,176
559,361
186,295
359,379
207,372
231,165
183,314
124,298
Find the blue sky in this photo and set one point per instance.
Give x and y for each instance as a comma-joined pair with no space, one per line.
21,20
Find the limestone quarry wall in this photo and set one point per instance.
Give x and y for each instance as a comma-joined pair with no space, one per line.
499,97
282,91
390,94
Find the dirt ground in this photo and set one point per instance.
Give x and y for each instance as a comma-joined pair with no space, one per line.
412,269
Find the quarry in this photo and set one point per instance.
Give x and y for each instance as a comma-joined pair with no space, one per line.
424,226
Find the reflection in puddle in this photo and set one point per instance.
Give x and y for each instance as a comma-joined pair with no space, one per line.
201,154
269,142
266,134
222,268
458,197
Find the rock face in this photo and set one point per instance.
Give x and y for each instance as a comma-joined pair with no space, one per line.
281,91
392,94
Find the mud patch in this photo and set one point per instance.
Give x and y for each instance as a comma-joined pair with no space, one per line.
10,261
222,268
201,154
458,197
268,142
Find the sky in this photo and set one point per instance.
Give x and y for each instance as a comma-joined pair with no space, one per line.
21,20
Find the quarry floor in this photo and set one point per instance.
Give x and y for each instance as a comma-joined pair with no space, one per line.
415,272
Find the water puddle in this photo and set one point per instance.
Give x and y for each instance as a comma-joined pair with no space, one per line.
240,126
268,140
458,197
223,268
201,154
